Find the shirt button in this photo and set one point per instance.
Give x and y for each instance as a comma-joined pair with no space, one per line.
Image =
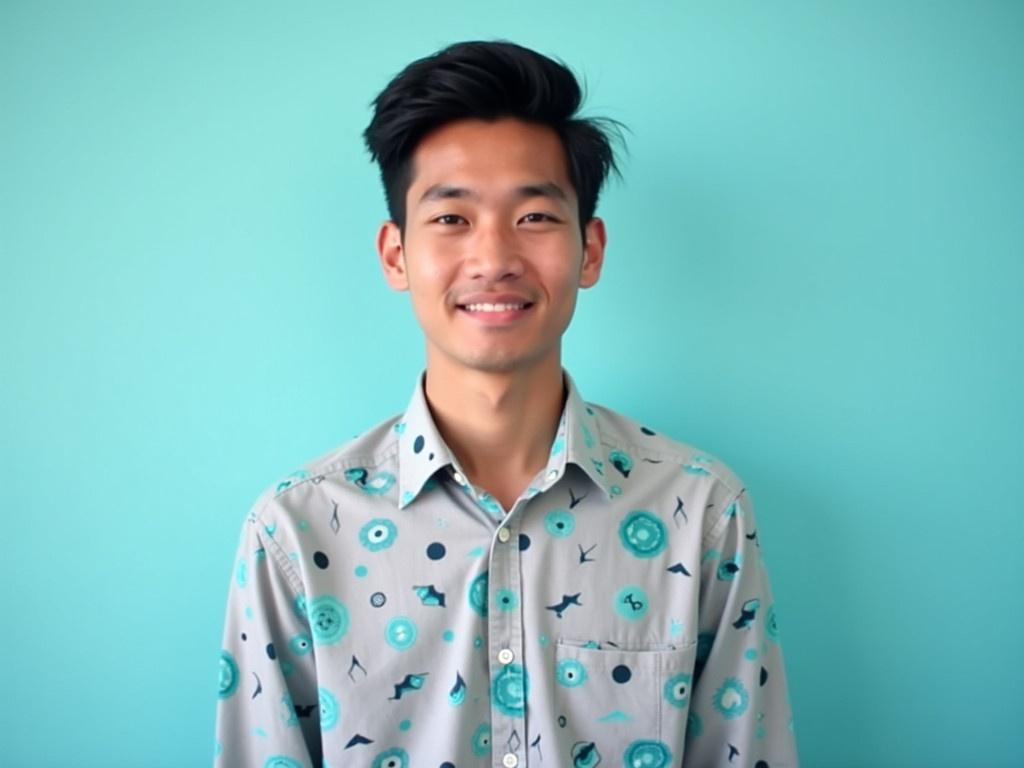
510,761
504,535
505,656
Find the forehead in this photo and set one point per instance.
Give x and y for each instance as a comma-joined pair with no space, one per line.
489,155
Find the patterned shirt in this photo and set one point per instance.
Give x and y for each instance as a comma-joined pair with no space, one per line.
385,613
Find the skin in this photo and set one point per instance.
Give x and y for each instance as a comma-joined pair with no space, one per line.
494,381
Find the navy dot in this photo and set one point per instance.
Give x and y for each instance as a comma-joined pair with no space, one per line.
621,674
417,445
524,542
764,675
377,599
446,764
760,764
271,653
436,550
320,559
646,431
431,457
244,637
562,721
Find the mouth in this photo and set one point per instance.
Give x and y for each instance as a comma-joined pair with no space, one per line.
496,313
489,308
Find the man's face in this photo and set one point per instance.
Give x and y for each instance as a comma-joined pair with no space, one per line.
492,255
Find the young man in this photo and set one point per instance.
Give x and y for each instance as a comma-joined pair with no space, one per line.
504,575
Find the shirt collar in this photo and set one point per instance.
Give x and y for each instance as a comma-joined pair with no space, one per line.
422,451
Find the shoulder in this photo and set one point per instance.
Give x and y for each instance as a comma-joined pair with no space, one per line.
687,466
620,431
291,492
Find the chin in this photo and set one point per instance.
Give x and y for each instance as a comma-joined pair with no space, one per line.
497,365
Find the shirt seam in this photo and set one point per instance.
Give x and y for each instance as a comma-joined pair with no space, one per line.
366,461
721,523
284,563
614,439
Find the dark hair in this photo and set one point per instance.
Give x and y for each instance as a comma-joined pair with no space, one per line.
487,80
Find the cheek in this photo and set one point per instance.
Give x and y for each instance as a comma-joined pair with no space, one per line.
564,278
429,274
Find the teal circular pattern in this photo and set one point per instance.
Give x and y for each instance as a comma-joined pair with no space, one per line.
570,673
379,484
732,699
647,754
478,594
585,755
506,600
481,743
301,644
328,619
510,689
677,690
392,758
380,533
228,675
299,606
631,603
400,633
289,716
621,462
560,523
279,761
328,710
642,534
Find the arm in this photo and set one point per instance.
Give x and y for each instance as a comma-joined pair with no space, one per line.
268,690
740,712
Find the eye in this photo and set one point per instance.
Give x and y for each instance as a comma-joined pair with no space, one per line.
537,218
448,218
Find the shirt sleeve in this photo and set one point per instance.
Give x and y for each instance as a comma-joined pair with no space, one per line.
740,711
267,713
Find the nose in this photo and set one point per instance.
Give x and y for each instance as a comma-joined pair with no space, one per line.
495,253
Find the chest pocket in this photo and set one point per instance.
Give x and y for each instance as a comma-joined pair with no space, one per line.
621,705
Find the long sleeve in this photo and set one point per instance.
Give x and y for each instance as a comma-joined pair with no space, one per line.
267,713
740,712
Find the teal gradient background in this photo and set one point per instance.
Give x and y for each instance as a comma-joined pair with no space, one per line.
815,271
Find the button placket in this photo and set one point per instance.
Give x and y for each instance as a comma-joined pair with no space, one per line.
505,635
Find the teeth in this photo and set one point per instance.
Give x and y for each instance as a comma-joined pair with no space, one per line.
493,307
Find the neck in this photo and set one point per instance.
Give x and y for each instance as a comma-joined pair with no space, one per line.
500,426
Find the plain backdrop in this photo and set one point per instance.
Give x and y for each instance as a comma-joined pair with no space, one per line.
815,271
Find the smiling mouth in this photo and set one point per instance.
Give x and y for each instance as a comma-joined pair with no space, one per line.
498,307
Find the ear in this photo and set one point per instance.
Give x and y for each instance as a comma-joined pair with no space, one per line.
392,256
593,252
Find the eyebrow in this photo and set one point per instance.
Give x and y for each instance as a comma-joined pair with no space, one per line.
447,192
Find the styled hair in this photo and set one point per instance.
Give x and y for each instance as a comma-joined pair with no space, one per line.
487,80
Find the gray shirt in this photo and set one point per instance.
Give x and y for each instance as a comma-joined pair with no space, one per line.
385,613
